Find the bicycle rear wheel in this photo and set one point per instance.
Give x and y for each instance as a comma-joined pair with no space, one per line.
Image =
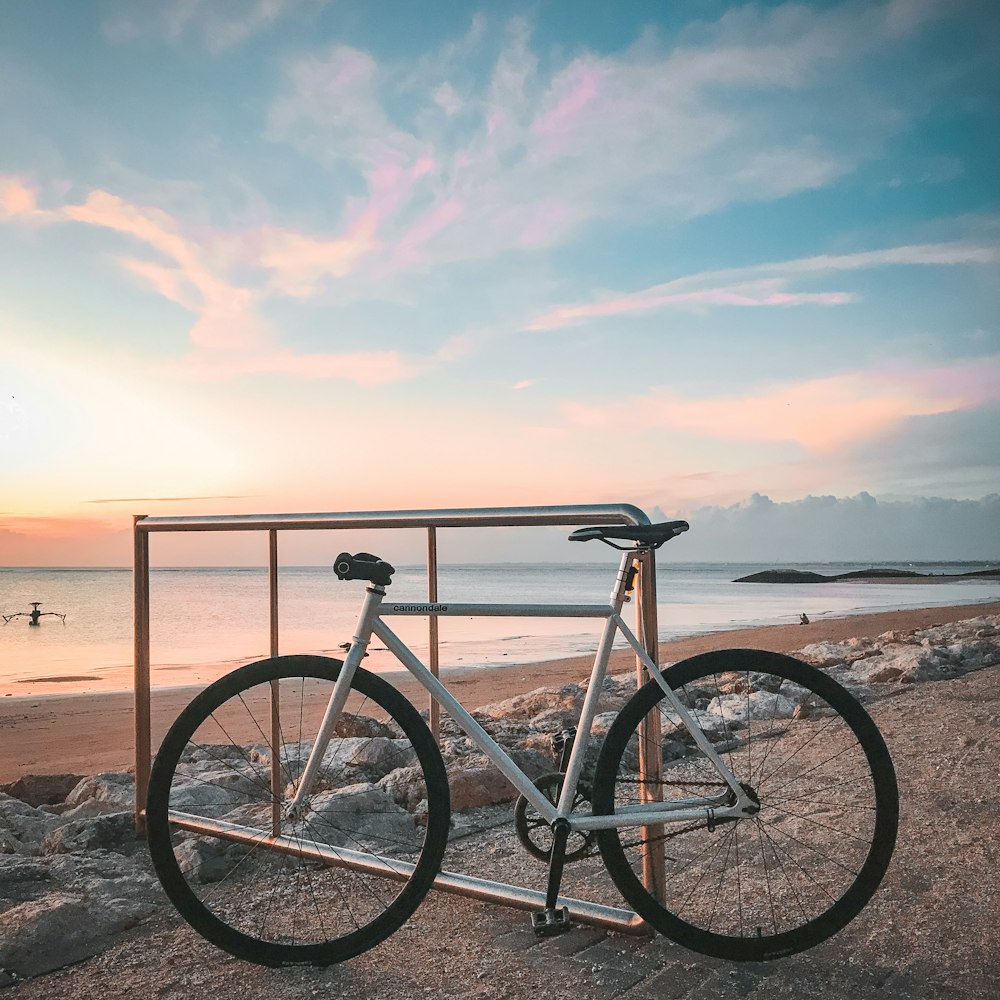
786,878
272,887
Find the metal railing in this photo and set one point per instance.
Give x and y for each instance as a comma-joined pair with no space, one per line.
430,521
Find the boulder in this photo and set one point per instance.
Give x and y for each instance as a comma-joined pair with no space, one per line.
113,791
22,879
22,827
42,789
71,907
204,859
109,831
568,698
214,793
361,817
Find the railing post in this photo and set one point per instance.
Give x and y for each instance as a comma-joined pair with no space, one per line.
432,628
650,735
140,614
276,782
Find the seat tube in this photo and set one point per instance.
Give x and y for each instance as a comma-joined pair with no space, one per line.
342,688
622,587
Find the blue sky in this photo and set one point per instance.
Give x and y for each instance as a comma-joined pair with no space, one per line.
295,255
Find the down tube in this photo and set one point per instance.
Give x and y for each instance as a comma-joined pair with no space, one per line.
458,712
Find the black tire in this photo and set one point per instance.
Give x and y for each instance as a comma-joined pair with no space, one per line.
780,881
382,791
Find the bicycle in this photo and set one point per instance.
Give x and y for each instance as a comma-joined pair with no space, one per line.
743,803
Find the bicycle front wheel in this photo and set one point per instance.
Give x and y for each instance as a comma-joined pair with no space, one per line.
797,871
319,884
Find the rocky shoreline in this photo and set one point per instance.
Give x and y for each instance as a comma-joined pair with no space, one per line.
74,878
865,576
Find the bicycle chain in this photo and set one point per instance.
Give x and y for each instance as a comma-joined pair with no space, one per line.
667,836
673,784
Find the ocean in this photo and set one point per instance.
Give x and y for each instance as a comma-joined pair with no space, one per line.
205,621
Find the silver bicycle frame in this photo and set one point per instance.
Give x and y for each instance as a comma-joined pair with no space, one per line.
730,804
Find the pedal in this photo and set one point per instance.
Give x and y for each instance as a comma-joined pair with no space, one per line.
548,923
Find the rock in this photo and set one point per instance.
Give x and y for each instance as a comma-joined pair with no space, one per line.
482,785
22,879
371,758
615,692
553,720
213,793
108,831
879,673
203,859
61,928
22,827
77,905
736,709
405,786
361,817
829,654
42,789
568,698
602,723
361,725
113,791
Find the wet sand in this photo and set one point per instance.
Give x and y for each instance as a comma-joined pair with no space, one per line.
88,733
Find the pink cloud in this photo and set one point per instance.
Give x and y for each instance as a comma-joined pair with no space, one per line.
818,414
17,198
429,225
229,336
579,90
299,262
764,284
362,367
759,295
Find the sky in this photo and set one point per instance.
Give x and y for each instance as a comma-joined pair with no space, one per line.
722,261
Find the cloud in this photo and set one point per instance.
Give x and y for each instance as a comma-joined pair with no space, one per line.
235,496
361,367
861,528
54,527
17,198
217,25
819,415
229,336
764,293
956,453
540,148
766,284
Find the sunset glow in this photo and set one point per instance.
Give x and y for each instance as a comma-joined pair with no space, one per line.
269,257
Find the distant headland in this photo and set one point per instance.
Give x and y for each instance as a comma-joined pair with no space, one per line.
865,575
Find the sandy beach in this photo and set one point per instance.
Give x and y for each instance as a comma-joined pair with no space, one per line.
88,733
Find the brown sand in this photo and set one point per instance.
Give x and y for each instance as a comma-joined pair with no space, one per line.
88,733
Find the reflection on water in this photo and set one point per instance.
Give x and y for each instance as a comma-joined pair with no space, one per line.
205,621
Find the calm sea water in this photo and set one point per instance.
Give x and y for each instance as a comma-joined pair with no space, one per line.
205,621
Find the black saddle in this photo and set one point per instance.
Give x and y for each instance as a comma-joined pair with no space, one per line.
653,535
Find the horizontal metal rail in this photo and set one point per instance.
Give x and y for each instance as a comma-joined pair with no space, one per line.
469,517
608,917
